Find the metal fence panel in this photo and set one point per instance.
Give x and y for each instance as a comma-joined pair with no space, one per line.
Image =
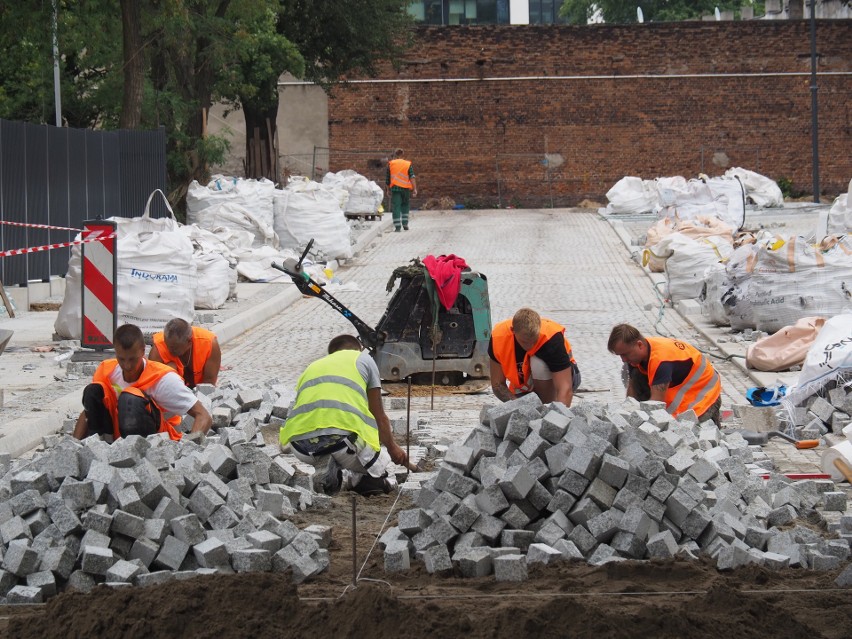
61,177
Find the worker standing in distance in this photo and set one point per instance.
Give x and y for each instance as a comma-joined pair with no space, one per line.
531,354
338,422
190,350
402,185
130,395
668,370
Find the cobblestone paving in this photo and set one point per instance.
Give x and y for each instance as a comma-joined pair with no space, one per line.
567,264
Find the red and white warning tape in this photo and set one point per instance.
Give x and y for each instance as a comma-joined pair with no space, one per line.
39,226
47,247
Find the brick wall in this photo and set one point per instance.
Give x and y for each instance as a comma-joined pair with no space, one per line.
529,115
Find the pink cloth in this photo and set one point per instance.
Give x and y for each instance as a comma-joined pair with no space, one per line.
446,270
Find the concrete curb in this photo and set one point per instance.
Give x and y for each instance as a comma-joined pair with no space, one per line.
25,433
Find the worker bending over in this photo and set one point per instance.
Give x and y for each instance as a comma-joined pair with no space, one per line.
192,351
130,395
668,370
531,354
338,422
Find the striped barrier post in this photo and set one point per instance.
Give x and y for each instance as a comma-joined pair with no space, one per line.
100,303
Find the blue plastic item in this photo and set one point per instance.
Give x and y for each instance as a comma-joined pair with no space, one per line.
761,396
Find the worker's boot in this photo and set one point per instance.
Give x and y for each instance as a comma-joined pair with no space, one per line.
369,486
327,476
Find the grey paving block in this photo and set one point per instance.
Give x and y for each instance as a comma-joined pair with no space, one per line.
534,445
412,521
7,580
491,500
516,482
265,540
144,550
172,553
517,538
19,559
569,550
539,553
188,529
613,471
80,581
251,560
96,560
126,524
123,571
25,595
554,424
437,558
59,560
396,557
475,562
510,568
463,517
460,457
15,529
26,502
489,527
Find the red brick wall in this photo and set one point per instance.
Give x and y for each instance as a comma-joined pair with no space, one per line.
603,102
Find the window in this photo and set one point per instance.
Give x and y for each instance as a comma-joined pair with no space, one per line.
545,12
452,12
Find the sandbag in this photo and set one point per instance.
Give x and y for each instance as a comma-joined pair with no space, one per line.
156,276
715,286
840,215
785,348
365,196
761,190
631,195
308,210
234,203
686,261
792,278
699,227
155,279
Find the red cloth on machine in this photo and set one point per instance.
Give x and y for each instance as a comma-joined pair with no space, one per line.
446,270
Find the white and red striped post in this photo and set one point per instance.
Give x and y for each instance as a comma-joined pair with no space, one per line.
100,303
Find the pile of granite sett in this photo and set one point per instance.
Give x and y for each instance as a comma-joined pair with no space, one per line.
537,483
141,511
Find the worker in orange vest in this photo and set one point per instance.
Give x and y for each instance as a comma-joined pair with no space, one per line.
668,370
130,395
191,350
402,185
531,354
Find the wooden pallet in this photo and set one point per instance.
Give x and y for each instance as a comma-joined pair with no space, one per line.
364,216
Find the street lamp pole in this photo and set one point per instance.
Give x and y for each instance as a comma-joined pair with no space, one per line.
57,93
814,120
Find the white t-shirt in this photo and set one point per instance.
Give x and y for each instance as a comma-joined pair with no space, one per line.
369,370
170,393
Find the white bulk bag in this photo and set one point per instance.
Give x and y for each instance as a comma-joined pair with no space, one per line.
631,195
307,210
761,190
365,196
155,279
234,203
214,279
840,215
715,285
719,197
829,358
792,278
686,261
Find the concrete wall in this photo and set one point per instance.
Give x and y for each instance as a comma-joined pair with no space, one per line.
534,115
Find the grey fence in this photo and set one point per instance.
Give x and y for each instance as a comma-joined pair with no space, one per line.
61,177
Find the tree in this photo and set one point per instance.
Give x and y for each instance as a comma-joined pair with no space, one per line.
335,39
624,11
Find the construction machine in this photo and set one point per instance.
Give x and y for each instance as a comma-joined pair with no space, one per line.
417,337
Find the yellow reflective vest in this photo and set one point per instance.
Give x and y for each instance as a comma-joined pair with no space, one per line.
331,395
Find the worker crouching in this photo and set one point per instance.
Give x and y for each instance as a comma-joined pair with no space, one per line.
130,395
338,423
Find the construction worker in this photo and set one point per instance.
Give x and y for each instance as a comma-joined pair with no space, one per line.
531,354
130,395
402,184
192,351
668,370
338,422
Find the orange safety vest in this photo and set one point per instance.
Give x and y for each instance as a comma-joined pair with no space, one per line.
503,345
701,387
152,373
399,173
202,346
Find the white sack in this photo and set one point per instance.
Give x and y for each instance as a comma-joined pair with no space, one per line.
761,190
365,196
234,203
840,215
736,299
214,279
631,195
155,281
715,285
828,359
792,279
687,260
718,197
308,210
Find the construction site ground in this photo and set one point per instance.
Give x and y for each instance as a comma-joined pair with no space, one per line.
573,266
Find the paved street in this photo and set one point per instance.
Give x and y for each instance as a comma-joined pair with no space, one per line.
567,264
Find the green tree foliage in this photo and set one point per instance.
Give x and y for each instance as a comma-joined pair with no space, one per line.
184,56
624,11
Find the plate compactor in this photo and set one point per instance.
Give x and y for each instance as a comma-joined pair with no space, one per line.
417,337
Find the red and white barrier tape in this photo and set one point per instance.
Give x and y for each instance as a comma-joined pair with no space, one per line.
39,226
48,247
